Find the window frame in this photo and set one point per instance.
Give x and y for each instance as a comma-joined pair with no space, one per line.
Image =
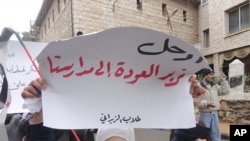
239,18
204,2
139,4
164,9
184,13
206,38
59,7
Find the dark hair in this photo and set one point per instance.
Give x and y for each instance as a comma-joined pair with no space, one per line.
206,71
79,33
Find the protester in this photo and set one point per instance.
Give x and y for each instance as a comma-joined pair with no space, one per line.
198,133
27,127
22,127
37,132
210,103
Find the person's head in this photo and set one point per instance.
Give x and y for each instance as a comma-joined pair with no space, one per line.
207,74
115,134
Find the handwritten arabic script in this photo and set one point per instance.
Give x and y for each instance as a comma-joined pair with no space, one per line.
118,118
16,69
16,84
120,71
166,48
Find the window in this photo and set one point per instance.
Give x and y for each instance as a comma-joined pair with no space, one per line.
164,9
206,38
239,18
53,15
184,16
139,4
204,2
45,29
58,6
48,22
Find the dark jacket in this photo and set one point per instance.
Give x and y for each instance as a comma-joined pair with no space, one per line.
18,128
191,134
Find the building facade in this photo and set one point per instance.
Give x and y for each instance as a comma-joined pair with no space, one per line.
59,19
224,32
219,28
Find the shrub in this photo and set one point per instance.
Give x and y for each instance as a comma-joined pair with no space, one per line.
217,80
248,80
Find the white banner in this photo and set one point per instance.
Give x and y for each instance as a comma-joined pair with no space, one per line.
121,77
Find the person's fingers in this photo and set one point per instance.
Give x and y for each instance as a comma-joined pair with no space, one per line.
197,98
34,88
38,84
194,84
192,77
196,89
30,92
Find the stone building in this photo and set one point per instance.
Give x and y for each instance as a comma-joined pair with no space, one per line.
224,32
219,28
59,19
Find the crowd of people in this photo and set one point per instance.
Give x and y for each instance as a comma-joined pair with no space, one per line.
29,127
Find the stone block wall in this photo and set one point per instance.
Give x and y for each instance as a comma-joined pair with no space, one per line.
220,39
57,22
93,16
235,111
101,14
214,16
247,89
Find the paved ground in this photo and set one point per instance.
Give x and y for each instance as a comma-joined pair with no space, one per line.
225,128
154,135
151,135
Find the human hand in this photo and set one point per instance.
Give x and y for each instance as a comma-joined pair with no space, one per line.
32,98
223,77
196,90
210,104
33,90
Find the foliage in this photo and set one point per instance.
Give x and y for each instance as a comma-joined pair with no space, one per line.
248,80
217,80
199,77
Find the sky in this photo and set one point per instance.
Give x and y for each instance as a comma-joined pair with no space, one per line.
17,14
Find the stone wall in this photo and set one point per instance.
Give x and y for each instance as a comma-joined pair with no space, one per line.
247,89
214,16
235,109
97,15
220,39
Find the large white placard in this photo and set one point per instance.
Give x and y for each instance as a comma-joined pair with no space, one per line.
120,77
